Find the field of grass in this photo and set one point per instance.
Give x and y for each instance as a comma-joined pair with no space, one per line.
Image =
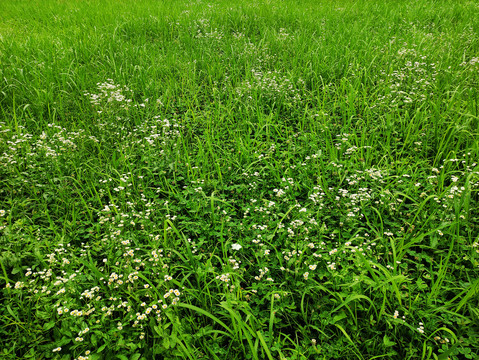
239,180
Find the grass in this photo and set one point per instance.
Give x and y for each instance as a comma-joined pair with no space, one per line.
226,180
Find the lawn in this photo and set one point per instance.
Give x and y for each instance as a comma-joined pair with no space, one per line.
223,179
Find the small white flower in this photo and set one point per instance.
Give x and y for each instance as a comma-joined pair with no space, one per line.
236,246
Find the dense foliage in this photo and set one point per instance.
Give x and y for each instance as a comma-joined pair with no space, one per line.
228,180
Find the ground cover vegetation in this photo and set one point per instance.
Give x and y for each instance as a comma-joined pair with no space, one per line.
239,180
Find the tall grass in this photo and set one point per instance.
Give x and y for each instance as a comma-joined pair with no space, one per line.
261,180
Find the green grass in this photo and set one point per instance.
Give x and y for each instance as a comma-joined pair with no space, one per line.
230,180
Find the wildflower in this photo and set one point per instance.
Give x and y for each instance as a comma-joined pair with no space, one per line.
225,277
236,247
332,266
57,349
421,328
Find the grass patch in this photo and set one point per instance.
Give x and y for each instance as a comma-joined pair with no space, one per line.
247,181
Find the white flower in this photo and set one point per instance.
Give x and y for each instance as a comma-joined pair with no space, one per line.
332,266
236,246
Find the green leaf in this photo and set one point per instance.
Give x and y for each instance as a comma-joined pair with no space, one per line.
10,311
48,325
264,345
158,330
132,346
387,342
339,317
206,313
445,355
166,342
93,340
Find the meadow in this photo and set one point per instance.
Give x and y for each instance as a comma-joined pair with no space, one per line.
219,179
